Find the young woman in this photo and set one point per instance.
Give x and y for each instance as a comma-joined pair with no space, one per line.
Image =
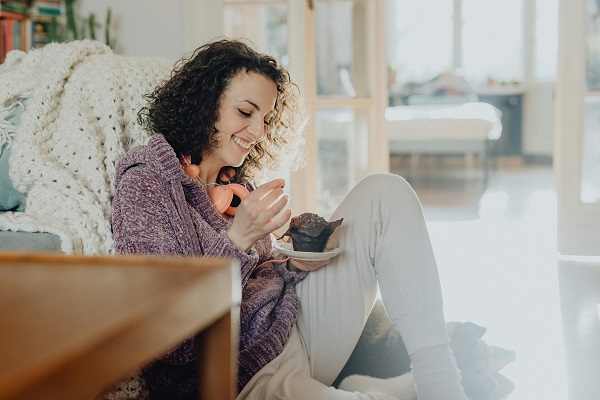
227,115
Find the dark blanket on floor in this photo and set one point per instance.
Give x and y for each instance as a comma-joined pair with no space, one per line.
381,353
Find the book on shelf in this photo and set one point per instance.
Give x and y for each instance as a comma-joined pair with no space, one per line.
27,24
20,7
15,34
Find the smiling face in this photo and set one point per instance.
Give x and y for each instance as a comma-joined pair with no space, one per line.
245,108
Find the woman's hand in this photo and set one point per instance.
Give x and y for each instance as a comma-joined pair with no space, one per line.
259,214
332,243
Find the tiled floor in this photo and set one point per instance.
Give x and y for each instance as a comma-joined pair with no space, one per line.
496,252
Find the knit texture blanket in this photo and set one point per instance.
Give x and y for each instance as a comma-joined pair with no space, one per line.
80,118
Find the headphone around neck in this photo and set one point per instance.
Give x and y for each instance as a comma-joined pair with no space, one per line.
225,198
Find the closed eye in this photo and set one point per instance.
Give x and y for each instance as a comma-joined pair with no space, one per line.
244,113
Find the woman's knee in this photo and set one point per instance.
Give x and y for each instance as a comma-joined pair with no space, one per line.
389,188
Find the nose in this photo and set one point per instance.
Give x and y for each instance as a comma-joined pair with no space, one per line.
256,128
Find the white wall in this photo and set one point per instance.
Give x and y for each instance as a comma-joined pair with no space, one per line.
152,28
158,28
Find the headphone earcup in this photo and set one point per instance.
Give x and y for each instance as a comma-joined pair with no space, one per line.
221,197
226,198
239,192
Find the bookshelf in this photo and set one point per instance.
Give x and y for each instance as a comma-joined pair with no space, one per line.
16,30
27,24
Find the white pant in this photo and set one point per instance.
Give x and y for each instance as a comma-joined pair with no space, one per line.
384,241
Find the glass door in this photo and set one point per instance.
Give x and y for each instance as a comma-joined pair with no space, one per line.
578,129
267,29
348,86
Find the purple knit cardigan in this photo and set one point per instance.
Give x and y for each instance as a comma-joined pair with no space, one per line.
158,209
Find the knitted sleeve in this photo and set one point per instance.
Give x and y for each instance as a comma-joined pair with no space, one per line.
140,218
289,277
219,245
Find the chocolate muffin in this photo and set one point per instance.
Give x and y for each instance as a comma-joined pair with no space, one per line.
309,232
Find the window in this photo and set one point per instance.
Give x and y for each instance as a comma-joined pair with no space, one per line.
483,40
419,38
343,98
267,29
335,49
492,40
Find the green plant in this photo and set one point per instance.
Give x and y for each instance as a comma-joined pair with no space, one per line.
88,25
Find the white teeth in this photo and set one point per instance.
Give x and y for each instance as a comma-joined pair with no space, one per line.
239,141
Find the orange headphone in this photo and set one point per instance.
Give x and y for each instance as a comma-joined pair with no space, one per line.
225,198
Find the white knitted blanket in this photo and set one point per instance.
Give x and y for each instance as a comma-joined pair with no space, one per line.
80,119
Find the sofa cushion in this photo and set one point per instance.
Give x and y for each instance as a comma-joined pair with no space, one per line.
29,241
10,198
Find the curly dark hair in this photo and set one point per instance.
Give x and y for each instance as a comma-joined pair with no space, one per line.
185,108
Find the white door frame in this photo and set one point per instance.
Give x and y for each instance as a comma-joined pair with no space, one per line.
578,223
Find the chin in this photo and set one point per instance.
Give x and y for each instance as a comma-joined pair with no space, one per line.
237,163
236,158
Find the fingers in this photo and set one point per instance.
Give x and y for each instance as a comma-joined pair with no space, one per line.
267,198
275,199
261,212
270,204
265,188
282,218
332,243
270,207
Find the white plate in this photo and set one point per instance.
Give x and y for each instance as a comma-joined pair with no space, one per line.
288,250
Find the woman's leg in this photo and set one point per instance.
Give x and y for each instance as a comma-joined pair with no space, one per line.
384,240
287,377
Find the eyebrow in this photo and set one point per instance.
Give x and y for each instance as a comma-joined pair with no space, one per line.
251,103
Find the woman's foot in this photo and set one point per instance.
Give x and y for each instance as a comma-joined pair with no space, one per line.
436,374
